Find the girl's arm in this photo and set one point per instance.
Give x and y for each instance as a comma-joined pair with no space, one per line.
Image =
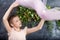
38,27
5,17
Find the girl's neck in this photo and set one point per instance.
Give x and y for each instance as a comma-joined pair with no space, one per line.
17,29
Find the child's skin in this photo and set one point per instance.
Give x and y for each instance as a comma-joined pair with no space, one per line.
16,23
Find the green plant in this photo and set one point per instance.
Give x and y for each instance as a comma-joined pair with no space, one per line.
48,7
49,25
27,15
58,24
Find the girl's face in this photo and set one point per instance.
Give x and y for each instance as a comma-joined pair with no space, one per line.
16,22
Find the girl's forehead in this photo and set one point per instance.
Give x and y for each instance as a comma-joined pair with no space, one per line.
16,18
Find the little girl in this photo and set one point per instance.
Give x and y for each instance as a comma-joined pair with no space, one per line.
13,25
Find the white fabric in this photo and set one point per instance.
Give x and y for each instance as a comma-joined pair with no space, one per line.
41,9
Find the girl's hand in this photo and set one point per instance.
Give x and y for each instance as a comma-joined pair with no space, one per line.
14,4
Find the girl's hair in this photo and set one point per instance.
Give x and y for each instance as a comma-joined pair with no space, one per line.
10,18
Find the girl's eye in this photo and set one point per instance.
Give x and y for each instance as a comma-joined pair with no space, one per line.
17,20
